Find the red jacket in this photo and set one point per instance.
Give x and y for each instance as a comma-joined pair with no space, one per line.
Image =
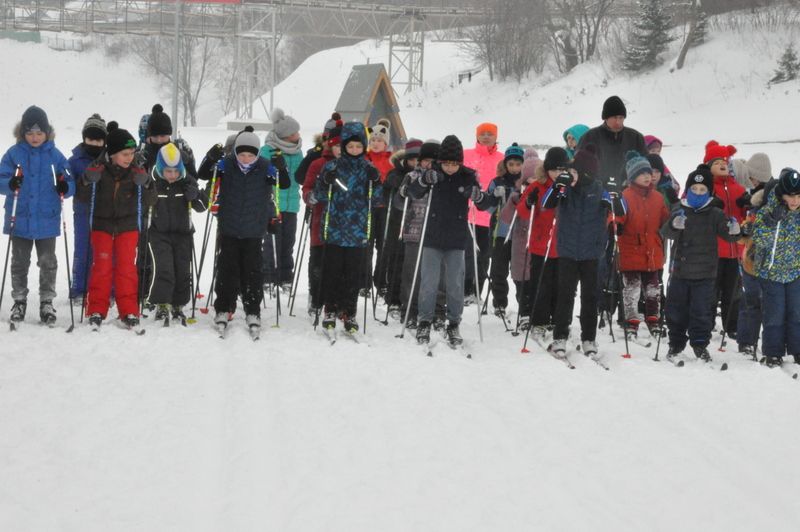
641,248
381,161
314,169
543,228
728,190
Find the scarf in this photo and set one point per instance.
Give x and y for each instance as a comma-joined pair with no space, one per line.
695,201
278,143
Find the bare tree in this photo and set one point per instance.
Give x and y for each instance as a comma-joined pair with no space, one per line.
575,27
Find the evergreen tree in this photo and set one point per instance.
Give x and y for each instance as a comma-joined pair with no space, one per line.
788,66
649,37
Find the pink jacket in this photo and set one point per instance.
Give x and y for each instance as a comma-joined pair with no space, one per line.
484,161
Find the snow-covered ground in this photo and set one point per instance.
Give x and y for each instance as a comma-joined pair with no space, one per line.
178,430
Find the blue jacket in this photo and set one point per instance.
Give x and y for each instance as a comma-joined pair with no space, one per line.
38,204
582,218
245,200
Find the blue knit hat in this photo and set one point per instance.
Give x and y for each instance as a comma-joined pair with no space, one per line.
636,165
169,156
515,152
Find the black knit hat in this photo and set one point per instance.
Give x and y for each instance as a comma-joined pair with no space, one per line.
585,161
451,149
701,176
118,139
614,107
556,157
429,150
656,162
159,122
95,128
34,118
788,182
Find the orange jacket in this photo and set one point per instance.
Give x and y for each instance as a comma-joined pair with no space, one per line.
641,248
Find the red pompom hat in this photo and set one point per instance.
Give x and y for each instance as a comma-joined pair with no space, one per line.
715,151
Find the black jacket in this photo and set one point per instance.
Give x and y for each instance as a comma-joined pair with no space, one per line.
611,149
447,219
117,207
171,212
694,249
311,155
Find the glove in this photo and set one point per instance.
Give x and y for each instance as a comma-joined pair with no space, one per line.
733,227
278,162
532,198
139,176
429,178
403,191
564,179
62,187
665,182
746,229
215,153
500,191
679,222
221,166
612,187
15,182
473,193
373,174
93,173
329,177
274,225
743,201
312,199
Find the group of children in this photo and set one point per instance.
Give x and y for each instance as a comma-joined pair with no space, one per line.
440,220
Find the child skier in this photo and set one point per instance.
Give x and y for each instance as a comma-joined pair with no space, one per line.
346,187
33,177
583,206
332,150
542,242
451,186
283,147
380,156
497,193
170,237
694,225
118,193
94,141
245,193
641,249
776,237
572,137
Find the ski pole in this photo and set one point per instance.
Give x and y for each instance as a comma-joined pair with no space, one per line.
66,248
526,292
368,249
206,236
12,224
729,314
210,298
511,227
322,258
615,265
541,274
475,264
403,219
88,249
416,268
382,259
146,254
298,263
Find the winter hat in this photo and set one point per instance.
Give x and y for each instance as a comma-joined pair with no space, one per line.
282,124
429,150
413,148
556,157
169,156
247,141
586,162
353,131
159,122
649,140
701,175
636,165
330,125
760,167
451,149
34,119
577,131
381,130
334,134
614,106
789,182
95,128
486,127
514,152
531,163
656,162
715,151
741,172
118,139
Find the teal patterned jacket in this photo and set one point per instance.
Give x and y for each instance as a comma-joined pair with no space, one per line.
777,244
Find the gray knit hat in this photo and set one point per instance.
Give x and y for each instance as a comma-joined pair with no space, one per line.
741,172
247,141
636,165
94,128
760,167
282,124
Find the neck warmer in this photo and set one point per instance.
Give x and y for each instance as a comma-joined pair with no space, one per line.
695,201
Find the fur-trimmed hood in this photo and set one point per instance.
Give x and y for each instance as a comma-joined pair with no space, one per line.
21,138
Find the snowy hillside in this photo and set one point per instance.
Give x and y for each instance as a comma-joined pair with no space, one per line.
178,430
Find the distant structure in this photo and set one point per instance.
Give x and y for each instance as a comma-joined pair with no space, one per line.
368,96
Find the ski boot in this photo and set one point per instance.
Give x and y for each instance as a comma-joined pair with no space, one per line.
221,322
469,300
539,335
286,288
178,315
163,313
524,323
364,292
423,332
438,323
350,324
500,311
395,312
329,321
453,335
589,348
18,312
47,314
747,350
701,353
412,323
558,348
773,362
95,321
253,325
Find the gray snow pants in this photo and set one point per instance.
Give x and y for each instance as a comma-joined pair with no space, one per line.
21,249
430,271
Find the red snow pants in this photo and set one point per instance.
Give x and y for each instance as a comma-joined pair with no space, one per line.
114,264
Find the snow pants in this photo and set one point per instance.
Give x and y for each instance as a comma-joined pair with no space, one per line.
21,249
82,249
749,324
239,271
114,259
634,285
284,239
781,318
570,273
688,310
342,276
430,275
171,281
